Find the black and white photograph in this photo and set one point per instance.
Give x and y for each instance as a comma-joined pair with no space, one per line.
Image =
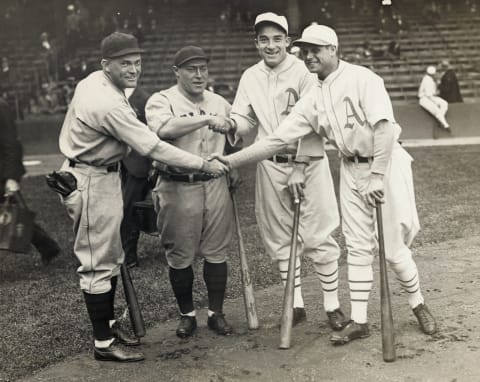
239,190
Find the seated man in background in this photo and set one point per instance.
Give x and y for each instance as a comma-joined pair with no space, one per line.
429,100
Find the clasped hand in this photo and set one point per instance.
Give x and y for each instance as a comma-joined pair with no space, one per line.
216,165
220,124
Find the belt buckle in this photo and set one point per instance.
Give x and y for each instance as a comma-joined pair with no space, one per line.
274,158
191,178
289,158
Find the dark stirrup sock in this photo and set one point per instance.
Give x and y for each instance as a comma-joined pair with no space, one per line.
182,284
215,276
113,281
98,307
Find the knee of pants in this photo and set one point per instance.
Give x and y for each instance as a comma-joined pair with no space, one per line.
399,256
323,254
97,282
179,260
360,258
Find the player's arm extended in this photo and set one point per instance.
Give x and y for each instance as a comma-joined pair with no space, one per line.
383,141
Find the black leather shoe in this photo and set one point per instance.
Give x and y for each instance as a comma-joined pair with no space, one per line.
350,332
218,324
299,315
116,354
336,319
186,326
425,319
123,337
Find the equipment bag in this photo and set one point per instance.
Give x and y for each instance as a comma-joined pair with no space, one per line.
16,224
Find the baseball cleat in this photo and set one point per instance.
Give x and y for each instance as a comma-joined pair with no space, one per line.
425,319
336,319
186,326
299,315
219,324
123,337
350,332
116,354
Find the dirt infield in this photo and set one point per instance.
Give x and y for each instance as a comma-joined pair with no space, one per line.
449,274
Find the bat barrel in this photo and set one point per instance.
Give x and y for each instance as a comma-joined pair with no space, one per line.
388,336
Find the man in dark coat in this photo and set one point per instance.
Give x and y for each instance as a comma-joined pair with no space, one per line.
11,172
135,185
448,87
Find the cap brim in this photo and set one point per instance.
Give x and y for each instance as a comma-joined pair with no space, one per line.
126,52
304,41
192,58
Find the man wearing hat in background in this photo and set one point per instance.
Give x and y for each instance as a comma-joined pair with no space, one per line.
99,127
352,109
429,99
196,214
266,94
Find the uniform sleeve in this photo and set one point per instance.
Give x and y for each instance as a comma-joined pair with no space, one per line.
122,123
242,113
158,111
374,99
294,126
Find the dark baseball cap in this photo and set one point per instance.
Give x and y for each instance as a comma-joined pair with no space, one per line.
189,53
119,44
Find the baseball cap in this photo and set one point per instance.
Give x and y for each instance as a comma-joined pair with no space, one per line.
189,53
318,35
273,18
119,44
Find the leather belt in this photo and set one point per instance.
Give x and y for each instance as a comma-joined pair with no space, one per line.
188,178
288,158
358,159
110,168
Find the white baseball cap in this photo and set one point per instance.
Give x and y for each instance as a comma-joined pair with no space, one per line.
270,17
318,35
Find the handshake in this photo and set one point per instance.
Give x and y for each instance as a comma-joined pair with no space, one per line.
222,125
216,165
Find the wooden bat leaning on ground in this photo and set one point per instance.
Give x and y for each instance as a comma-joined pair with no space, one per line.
388,337
136,317
287,315
248,296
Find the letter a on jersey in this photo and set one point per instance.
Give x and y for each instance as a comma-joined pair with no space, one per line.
351,112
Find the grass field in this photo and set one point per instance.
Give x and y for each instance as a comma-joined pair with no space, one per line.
43,317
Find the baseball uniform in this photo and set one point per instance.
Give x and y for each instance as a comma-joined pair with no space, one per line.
264,98
195,217
430,101
344,108
98,128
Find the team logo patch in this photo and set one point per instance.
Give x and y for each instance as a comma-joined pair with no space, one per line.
352,114
291,100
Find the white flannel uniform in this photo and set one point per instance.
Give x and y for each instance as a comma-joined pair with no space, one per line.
264,98
344,108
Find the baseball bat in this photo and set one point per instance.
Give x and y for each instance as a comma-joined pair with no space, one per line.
136,317
248,297
287,314
388,338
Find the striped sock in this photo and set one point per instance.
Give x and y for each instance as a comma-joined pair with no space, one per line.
328,275
407,275
297,295
360,279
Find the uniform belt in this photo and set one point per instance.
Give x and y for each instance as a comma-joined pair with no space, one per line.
188,178
110,168
358,159
289,158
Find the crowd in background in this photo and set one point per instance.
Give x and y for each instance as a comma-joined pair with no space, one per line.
64,34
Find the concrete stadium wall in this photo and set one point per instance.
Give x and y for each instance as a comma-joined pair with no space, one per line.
416,123
40,135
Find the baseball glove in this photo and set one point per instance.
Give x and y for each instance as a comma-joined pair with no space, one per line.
62,182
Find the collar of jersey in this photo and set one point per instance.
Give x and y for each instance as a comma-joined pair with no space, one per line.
283,66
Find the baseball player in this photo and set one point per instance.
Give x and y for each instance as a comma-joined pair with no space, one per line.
196,213
99,127
266,93
352,109
429,99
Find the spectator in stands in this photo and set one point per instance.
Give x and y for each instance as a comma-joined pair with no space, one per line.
429,100
83,69
449,89
72,31
393,50
49,53
6,75
67,72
